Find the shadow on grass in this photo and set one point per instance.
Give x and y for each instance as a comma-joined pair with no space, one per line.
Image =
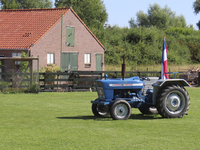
145,117
133,116
88,118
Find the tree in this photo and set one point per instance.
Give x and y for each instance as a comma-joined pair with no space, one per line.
9,4
196,6
161,18
25,4
92,12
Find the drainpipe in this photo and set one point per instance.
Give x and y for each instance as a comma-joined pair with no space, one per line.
61,41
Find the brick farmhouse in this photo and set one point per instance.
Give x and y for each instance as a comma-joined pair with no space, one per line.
57,36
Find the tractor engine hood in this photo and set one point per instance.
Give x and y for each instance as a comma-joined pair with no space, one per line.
129,83
106,88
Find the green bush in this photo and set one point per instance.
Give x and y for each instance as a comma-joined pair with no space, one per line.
143,46
34,88
50,69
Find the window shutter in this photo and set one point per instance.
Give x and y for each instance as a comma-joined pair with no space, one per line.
70,36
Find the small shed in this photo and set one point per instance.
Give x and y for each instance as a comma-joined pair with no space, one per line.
16,77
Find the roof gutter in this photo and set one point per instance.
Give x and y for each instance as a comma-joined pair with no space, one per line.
15,49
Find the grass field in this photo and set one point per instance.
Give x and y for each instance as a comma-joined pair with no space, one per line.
55,121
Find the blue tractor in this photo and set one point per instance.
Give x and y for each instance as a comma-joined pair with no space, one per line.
116,97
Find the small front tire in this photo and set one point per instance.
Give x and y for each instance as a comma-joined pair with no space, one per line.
120,110
100,110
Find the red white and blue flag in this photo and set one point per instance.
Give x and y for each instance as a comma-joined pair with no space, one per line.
164,71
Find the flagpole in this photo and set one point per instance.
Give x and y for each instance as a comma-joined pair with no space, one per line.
164,65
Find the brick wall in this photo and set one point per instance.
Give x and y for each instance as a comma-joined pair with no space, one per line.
84,43
49,43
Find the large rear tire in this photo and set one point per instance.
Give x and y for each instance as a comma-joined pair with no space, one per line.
100,110
120,110
173,102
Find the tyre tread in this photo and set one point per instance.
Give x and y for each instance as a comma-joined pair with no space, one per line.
161,98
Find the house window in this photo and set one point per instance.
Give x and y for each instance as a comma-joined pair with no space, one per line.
70,36
87,60
50,58
17,55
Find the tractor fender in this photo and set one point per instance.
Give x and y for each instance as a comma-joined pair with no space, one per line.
160,84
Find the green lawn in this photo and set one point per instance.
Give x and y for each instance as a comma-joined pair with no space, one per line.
48,121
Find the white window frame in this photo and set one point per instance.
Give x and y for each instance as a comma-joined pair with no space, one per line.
17,55
50,58
87,58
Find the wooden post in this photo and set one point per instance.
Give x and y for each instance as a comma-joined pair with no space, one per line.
147,72
57,81
44,80
38,80
13,77
73,80
31,72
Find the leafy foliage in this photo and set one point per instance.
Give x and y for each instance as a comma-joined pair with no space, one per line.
25,4
143,42
50,69
196,7
92,12
142,46
187,37
23,64
161,18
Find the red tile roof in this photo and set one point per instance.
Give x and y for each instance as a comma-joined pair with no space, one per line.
20,28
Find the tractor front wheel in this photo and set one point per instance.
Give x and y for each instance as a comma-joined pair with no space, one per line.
120,110
100,110
173,102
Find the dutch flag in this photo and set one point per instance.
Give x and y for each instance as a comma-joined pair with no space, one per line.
164,71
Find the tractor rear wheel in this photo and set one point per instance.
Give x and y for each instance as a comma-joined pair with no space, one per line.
120,110
173,102
100,110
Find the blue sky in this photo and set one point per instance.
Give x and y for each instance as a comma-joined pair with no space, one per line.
121,11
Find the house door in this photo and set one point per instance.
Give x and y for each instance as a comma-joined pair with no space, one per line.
99,62
69,61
